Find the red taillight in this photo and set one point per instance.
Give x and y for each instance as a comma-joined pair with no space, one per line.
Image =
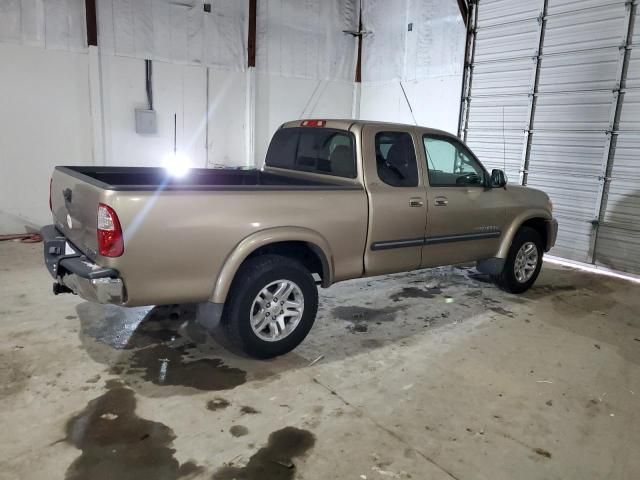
110,242
50,204
313,123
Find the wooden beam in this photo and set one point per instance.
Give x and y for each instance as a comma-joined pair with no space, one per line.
92,22
358,78
464,10
251,41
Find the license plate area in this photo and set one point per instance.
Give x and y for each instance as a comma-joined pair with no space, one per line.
56,249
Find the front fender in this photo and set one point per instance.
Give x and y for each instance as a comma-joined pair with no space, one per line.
515,225
267,237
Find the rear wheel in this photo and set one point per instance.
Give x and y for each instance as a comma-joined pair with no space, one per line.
523,263
271,307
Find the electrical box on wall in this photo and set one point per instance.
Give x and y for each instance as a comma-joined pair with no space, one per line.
146,121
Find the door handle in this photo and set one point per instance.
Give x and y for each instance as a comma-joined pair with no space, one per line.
441,201
416,202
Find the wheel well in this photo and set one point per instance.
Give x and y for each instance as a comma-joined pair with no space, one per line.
540,226
306,253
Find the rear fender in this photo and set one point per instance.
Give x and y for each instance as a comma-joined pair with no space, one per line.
250,244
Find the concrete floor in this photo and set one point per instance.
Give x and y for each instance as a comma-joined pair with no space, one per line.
427,375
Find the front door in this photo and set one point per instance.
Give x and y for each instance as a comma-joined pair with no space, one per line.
397,200
465,218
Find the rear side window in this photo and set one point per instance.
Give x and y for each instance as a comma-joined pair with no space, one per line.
316,150
396,159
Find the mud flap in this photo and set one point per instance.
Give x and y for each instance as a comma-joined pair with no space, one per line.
208,315
491,266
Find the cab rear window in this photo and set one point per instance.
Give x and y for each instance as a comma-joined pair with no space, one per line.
317,150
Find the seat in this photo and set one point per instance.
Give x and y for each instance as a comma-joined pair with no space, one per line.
342,161
399,167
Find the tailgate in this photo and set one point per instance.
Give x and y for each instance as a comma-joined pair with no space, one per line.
74,203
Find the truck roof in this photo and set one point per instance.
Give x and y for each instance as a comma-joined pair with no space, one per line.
348,124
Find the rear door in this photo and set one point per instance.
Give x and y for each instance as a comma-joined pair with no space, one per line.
74,204
465,219
397,200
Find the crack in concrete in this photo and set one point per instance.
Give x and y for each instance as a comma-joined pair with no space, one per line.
386,429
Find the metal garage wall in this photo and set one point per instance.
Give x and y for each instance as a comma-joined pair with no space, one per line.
618,238
496,113
554,67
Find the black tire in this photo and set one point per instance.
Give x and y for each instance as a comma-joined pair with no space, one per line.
254,275
507,280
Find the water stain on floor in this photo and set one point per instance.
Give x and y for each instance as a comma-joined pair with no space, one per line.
164,365
117,443
355,313
275,460
372,343
413,292
14,372
239,430
218,404
247,410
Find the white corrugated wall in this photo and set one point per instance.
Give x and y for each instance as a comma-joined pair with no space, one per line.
552,92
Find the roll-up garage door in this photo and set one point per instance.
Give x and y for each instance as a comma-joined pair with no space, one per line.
549,97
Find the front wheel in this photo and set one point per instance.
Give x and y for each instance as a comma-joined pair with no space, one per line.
271,307
523,263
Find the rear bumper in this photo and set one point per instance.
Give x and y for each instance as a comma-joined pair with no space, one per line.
552,233
73,271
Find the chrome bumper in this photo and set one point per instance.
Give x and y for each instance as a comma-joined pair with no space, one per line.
74,273
100,290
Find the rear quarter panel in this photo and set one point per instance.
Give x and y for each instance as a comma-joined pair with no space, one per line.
176,243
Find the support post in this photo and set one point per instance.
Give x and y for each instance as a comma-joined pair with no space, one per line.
250,98
92,23
469,56
251,40
533,95
358,76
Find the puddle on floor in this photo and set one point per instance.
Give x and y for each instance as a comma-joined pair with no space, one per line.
162,345
275,461
168,365
117,443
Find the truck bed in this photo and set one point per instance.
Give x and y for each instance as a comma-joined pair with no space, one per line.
153,178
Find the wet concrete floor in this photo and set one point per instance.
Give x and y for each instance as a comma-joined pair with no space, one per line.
431,374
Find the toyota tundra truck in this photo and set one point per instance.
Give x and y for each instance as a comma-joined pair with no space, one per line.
335,200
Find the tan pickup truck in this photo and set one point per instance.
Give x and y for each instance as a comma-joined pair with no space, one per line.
335,200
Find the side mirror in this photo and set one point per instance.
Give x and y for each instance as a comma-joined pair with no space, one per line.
498,178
